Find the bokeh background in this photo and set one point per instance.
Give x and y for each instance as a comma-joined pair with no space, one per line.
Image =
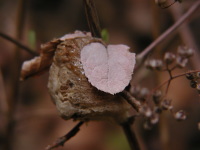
29,119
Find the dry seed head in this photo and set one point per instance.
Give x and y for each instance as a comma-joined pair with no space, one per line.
157,110
157,97
169,57
180,115
135,90
154,119
166,104
185,52
181,62
154,64
198,75
146,111
193,83
190,76
198,88
143,94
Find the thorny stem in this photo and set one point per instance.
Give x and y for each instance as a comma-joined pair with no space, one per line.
61,141
179,22
18,44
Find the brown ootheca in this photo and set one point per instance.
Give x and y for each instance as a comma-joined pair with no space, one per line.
69,88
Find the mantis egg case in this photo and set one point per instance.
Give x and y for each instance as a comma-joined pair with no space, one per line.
70,90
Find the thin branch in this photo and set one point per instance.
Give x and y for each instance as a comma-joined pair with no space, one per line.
167,88
92,18
170,79
61,141
18,44
179,22
186,35
131,100
130,134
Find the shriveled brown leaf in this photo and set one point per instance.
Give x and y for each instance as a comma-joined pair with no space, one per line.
40,63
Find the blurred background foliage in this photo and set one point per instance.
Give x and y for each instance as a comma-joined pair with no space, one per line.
35,121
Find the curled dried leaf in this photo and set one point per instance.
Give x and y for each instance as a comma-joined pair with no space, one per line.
39,64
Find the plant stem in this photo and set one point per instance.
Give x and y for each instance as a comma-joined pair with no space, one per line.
169,31
131,100
169,80
186,35
92,18
61,141
130,135
18,44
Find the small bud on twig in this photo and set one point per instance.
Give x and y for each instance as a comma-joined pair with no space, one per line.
166,104
180,115
181,62
157,97
193,83
185,52
169,57
154,64
190,76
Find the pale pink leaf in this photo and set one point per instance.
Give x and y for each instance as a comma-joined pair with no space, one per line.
109,68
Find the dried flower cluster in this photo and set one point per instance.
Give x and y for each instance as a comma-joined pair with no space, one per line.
153,104
151,111
193,78
179,60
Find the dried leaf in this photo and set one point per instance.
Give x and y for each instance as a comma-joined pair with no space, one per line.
40,63
108,68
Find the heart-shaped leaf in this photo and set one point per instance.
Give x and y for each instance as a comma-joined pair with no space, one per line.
109,68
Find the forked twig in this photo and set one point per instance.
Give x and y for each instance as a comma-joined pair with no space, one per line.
170,79
61,141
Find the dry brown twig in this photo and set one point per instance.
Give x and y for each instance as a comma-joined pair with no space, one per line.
61,141
17,43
